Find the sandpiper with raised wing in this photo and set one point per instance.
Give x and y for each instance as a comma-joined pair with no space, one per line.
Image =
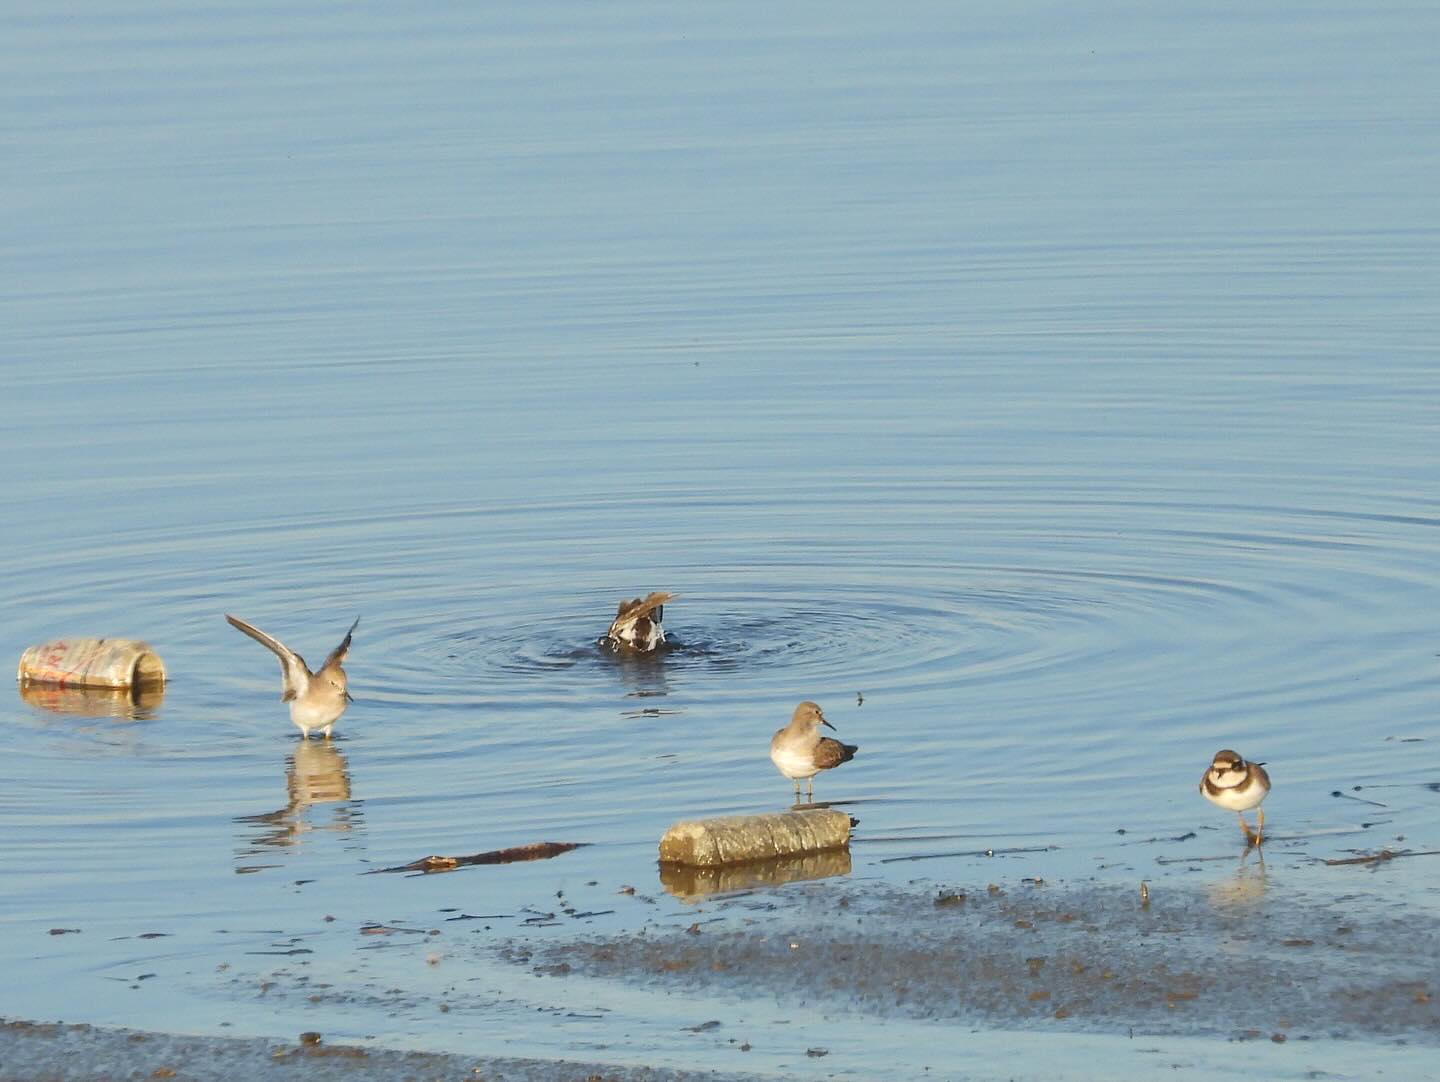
316,699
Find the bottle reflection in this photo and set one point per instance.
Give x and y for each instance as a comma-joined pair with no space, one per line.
139,703
693,884
316,774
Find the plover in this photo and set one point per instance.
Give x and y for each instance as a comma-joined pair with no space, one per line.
1238,786
637,623
800,752
316,699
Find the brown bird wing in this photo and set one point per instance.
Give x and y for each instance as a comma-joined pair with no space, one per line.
294,673
644,606
638,608
830,753
337,655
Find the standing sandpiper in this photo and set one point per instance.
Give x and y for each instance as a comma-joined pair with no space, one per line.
1238,786
800,752
637,624
316,699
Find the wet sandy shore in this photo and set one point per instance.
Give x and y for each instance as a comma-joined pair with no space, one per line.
828,978
1184,961
33,1052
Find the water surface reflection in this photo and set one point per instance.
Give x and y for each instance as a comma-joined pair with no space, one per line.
692,884
1244,889
316,773
140,703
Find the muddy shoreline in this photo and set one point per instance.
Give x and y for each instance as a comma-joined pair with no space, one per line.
1179,961
55,1052
831,978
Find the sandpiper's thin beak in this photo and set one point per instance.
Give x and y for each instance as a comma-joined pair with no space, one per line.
349,698
826,723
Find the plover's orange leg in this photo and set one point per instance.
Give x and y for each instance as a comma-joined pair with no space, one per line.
1252,837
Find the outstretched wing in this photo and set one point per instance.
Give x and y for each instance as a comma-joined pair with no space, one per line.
337,655
294,673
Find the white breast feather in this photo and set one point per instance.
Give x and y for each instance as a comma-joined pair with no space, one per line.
1237,798
794,764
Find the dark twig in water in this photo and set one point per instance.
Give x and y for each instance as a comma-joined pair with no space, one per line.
1197,860
513,855
1384,855
1433,786
971,853
1361,799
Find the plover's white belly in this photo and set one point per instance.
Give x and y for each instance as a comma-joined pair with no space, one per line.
794,762
1238,799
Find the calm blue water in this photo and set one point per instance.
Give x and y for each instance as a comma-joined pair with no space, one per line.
1065,382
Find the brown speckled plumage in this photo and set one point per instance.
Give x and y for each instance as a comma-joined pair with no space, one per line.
637,623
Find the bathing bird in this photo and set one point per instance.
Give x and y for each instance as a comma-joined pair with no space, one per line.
636,626
316,699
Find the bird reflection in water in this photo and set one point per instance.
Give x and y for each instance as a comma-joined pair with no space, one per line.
643,674
1243,889
316,774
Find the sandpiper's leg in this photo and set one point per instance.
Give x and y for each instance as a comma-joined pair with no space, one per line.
1260,826
810,790
304,733
327,732
797,790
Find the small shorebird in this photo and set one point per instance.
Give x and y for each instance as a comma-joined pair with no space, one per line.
316,699
637,623
800,752
1238,786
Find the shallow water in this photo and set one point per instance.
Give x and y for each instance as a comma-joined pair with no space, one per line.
1062,387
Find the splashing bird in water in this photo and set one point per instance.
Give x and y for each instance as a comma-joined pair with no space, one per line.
800,752
1237,786
316,699
637,623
